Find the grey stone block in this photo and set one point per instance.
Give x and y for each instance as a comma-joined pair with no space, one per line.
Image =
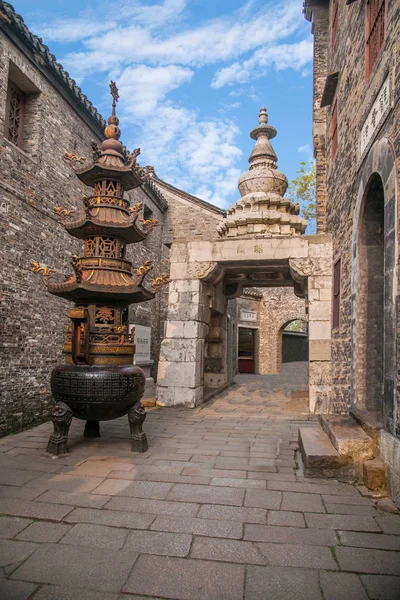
302,502
227,551
36,510
289,535
157,542
366,560
96,569
13,553
263,499
369,540
205,472
137,489
52,592
381,587
19,493
10,526
16,590
233,513
264,583
42,531
389,524
184,579
298,555
208,527
346,522
239,483
16,477
342,585
207,495
98,536
154,507
351,509
110,517
73,499
286,518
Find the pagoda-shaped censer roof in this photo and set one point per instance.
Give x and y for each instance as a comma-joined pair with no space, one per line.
106,223
262,210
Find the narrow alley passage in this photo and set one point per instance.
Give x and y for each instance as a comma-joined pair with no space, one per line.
217,509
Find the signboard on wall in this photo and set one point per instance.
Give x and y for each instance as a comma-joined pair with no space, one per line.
142,342
248,315
377,114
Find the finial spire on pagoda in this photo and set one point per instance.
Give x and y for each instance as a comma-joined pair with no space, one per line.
262,211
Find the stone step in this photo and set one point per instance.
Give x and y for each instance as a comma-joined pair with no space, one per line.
371,422
320,458
374,476
348,438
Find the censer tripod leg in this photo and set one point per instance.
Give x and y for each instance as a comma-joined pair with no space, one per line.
92,429
136,417
61,417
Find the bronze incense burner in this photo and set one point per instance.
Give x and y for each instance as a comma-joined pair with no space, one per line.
99,381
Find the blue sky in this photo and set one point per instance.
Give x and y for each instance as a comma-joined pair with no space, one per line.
192,76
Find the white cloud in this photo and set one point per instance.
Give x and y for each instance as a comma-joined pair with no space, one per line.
304,149
142,88
151,50
191,153
220,39
72,30
284,56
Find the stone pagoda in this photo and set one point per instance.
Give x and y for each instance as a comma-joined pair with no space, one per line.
263,211
98,381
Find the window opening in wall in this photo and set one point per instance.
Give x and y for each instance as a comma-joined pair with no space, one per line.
22,111
334,130
374,32
14,114
335,14
336,294
147,212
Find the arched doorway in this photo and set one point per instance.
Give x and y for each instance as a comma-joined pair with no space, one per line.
370,298
294,336
374,288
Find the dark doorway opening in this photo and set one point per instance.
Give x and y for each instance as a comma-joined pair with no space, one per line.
246,350
370,305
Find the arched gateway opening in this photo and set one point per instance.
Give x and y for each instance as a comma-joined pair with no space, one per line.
370,298
259,245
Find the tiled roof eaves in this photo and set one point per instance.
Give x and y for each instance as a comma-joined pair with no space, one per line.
153,191
189,197
46,62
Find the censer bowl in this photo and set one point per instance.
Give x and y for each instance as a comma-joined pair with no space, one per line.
96,393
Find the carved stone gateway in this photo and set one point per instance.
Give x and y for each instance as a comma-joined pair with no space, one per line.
261,245
99,381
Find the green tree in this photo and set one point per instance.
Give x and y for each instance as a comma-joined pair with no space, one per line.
302,190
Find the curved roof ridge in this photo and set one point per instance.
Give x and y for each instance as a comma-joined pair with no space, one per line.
187,196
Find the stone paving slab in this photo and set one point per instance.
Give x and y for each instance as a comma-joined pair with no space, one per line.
216,509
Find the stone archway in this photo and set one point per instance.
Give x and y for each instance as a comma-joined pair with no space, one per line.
261,245
374,287
279,337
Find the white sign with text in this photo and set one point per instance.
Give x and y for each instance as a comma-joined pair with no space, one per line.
142,342
376,115
248,315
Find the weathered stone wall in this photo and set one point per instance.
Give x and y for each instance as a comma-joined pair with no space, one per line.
278,307
348,175
355,96
189,218
32,182
321,36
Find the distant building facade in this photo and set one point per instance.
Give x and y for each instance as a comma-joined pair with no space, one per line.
356,132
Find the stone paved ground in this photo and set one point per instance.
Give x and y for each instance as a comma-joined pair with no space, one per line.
216,510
